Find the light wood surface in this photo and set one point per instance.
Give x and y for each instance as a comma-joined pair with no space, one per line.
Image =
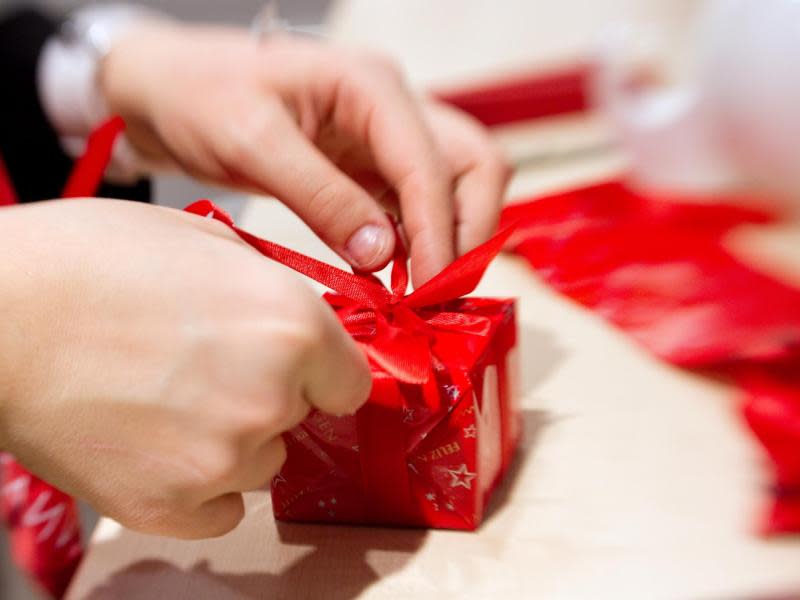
635,480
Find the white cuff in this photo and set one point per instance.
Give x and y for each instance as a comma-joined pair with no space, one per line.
68,84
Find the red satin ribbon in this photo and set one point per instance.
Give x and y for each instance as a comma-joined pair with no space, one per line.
396,330
87,174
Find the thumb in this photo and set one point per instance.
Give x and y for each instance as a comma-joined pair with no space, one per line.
285,163
335,376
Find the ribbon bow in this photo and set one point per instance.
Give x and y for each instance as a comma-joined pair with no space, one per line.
397,330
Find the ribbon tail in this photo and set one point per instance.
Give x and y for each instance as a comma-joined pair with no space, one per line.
88,172
460,277
345,283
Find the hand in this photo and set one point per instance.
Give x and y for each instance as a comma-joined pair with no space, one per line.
332,133
150,361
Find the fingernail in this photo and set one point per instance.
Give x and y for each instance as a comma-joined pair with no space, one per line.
367,246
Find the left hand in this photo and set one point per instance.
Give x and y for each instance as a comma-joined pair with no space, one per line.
333,133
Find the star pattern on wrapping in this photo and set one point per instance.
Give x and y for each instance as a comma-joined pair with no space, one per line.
460,477
328,506
408,415
430,496
279,478
471,431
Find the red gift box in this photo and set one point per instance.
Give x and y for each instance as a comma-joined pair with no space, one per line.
416,454
441,425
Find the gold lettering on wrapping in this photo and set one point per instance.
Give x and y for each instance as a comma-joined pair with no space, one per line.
441,451
287,502
326,430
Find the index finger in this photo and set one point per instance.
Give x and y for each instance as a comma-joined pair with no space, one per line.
379,111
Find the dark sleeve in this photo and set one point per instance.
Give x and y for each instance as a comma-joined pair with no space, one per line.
28,144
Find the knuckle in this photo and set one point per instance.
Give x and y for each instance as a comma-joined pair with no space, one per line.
280,414
420,182
221,465
327,203
300,333
278,458
384,64
314,321
245,132
147,515
500,164
268,416
353,383
361,386
371,69
229,519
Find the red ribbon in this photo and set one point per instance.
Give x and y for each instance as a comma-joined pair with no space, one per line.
87,174
397,330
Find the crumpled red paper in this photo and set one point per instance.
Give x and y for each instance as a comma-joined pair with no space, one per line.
657,268
772,411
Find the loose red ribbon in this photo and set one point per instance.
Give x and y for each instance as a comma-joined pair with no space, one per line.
397,330
88,172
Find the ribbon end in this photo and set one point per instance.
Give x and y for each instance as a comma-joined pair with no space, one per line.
209,210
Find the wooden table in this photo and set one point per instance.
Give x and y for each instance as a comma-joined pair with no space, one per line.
634,480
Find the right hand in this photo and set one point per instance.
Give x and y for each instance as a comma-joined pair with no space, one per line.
149,361
334,133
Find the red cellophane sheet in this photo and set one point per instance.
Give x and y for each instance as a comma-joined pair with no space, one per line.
658,268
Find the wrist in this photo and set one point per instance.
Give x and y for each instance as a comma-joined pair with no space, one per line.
126,80
69,81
